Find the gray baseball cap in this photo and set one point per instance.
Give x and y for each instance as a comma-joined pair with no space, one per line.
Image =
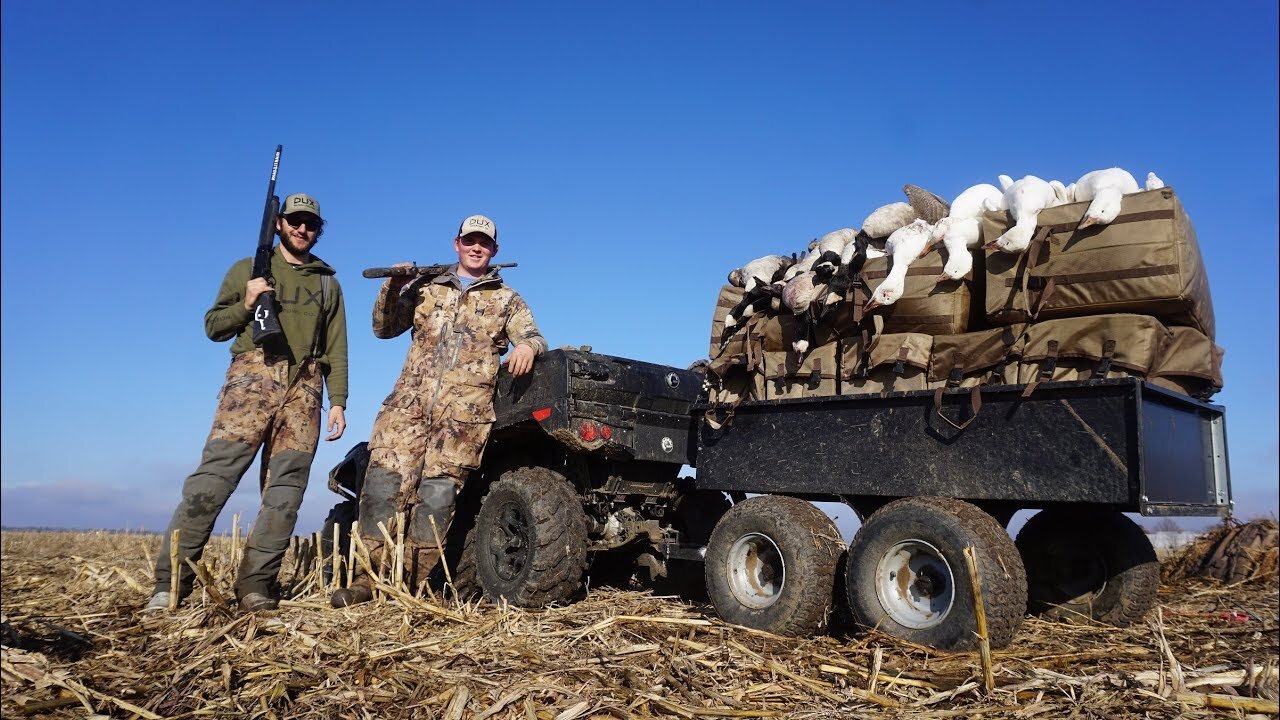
478,224
300,202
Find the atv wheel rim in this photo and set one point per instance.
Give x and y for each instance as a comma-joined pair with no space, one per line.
757,572
509,542
915,584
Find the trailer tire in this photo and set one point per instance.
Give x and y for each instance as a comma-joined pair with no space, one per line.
771,565
932,604
530,539
1095,565
340,516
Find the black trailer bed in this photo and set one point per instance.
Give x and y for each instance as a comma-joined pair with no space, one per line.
1120,443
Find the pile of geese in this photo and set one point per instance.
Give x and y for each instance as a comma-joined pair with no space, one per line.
808,286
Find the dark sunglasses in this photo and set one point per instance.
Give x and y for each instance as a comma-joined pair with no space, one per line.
299,219
470,240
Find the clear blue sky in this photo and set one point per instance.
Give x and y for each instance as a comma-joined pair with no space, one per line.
631,154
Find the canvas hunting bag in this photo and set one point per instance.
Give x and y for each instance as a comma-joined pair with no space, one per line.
787,375
1091,347
1146,261
927,305
1190,364
728,299
983,357
887,362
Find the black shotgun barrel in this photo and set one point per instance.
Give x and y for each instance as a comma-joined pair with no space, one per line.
416,270
266,326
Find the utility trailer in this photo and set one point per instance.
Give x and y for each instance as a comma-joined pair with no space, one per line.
581,484
931,474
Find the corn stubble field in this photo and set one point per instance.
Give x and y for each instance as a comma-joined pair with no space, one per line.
75,647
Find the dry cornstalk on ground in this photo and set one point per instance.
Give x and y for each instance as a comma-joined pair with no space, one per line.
75,646
1232,552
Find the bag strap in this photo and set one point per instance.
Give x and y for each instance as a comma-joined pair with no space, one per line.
318,338
1104,365
1047,366
975,407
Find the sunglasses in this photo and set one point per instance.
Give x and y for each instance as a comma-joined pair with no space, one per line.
300,219
469,240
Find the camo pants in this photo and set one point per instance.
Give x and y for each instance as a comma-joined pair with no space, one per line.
258,407
417,465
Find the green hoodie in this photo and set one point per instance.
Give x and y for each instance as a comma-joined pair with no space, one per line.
298,292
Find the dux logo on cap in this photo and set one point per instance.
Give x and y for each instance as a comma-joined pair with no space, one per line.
479,223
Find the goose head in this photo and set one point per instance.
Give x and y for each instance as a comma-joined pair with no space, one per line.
887,293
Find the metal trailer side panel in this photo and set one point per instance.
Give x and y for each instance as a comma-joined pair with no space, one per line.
1078,442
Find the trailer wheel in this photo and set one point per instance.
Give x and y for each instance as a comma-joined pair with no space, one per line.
907,575
530,539
771,565
340,516
1088,565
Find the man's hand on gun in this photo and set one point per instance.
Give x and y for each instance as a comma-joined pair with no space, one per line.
401,281
252,290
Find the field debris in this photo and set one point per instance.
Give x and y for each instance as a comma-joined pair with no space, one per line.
75,645
1232,552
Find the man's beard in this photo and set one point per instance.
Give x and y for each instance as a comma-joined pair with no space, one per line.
292,244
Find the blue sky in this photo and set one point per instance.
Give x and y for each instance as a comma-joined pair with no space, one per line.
631,154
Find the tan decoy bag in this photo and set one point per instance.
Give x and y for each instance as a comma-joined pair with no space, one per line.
972,359
1190,364
1091,347
888,362
1146,261
927,305
787,375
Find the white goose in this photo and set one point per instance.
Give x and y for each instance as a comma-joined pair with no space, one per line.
1024,199
1154,182
1104,189
905,245
830,249
885,219
761,270
961,230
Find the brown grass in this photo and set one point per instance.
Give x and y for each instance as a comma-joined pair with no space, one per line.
75,647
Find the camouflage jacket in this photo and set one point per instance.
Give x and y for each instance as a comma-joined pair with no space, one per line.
458,336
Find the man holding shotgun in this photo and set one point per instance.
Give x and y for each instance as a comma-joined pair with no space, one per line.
270,400
432,428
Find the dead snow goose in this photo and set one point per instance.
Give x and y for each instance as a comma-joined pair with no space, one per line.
1154,182
961,231
885,219
761,270
905,245
1103,188
1025,199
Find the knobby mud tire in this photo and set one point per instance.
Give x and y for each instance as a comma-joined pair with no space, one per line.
529,544
939,529
1088,565
771,565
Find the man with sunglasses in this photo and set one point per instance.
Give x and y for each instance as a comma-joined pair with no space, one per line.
271,399
432,428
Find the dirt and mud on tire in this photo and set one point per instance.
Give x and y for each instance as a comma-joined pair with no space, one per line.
771,565
529,543
907,574
1088,565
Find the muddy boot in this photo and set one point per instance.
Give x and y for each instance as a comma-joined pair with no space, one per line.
421,561
361,590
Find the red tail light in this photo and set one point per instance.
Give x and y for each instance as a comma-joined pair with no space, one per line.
542,414
606,432
588,431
